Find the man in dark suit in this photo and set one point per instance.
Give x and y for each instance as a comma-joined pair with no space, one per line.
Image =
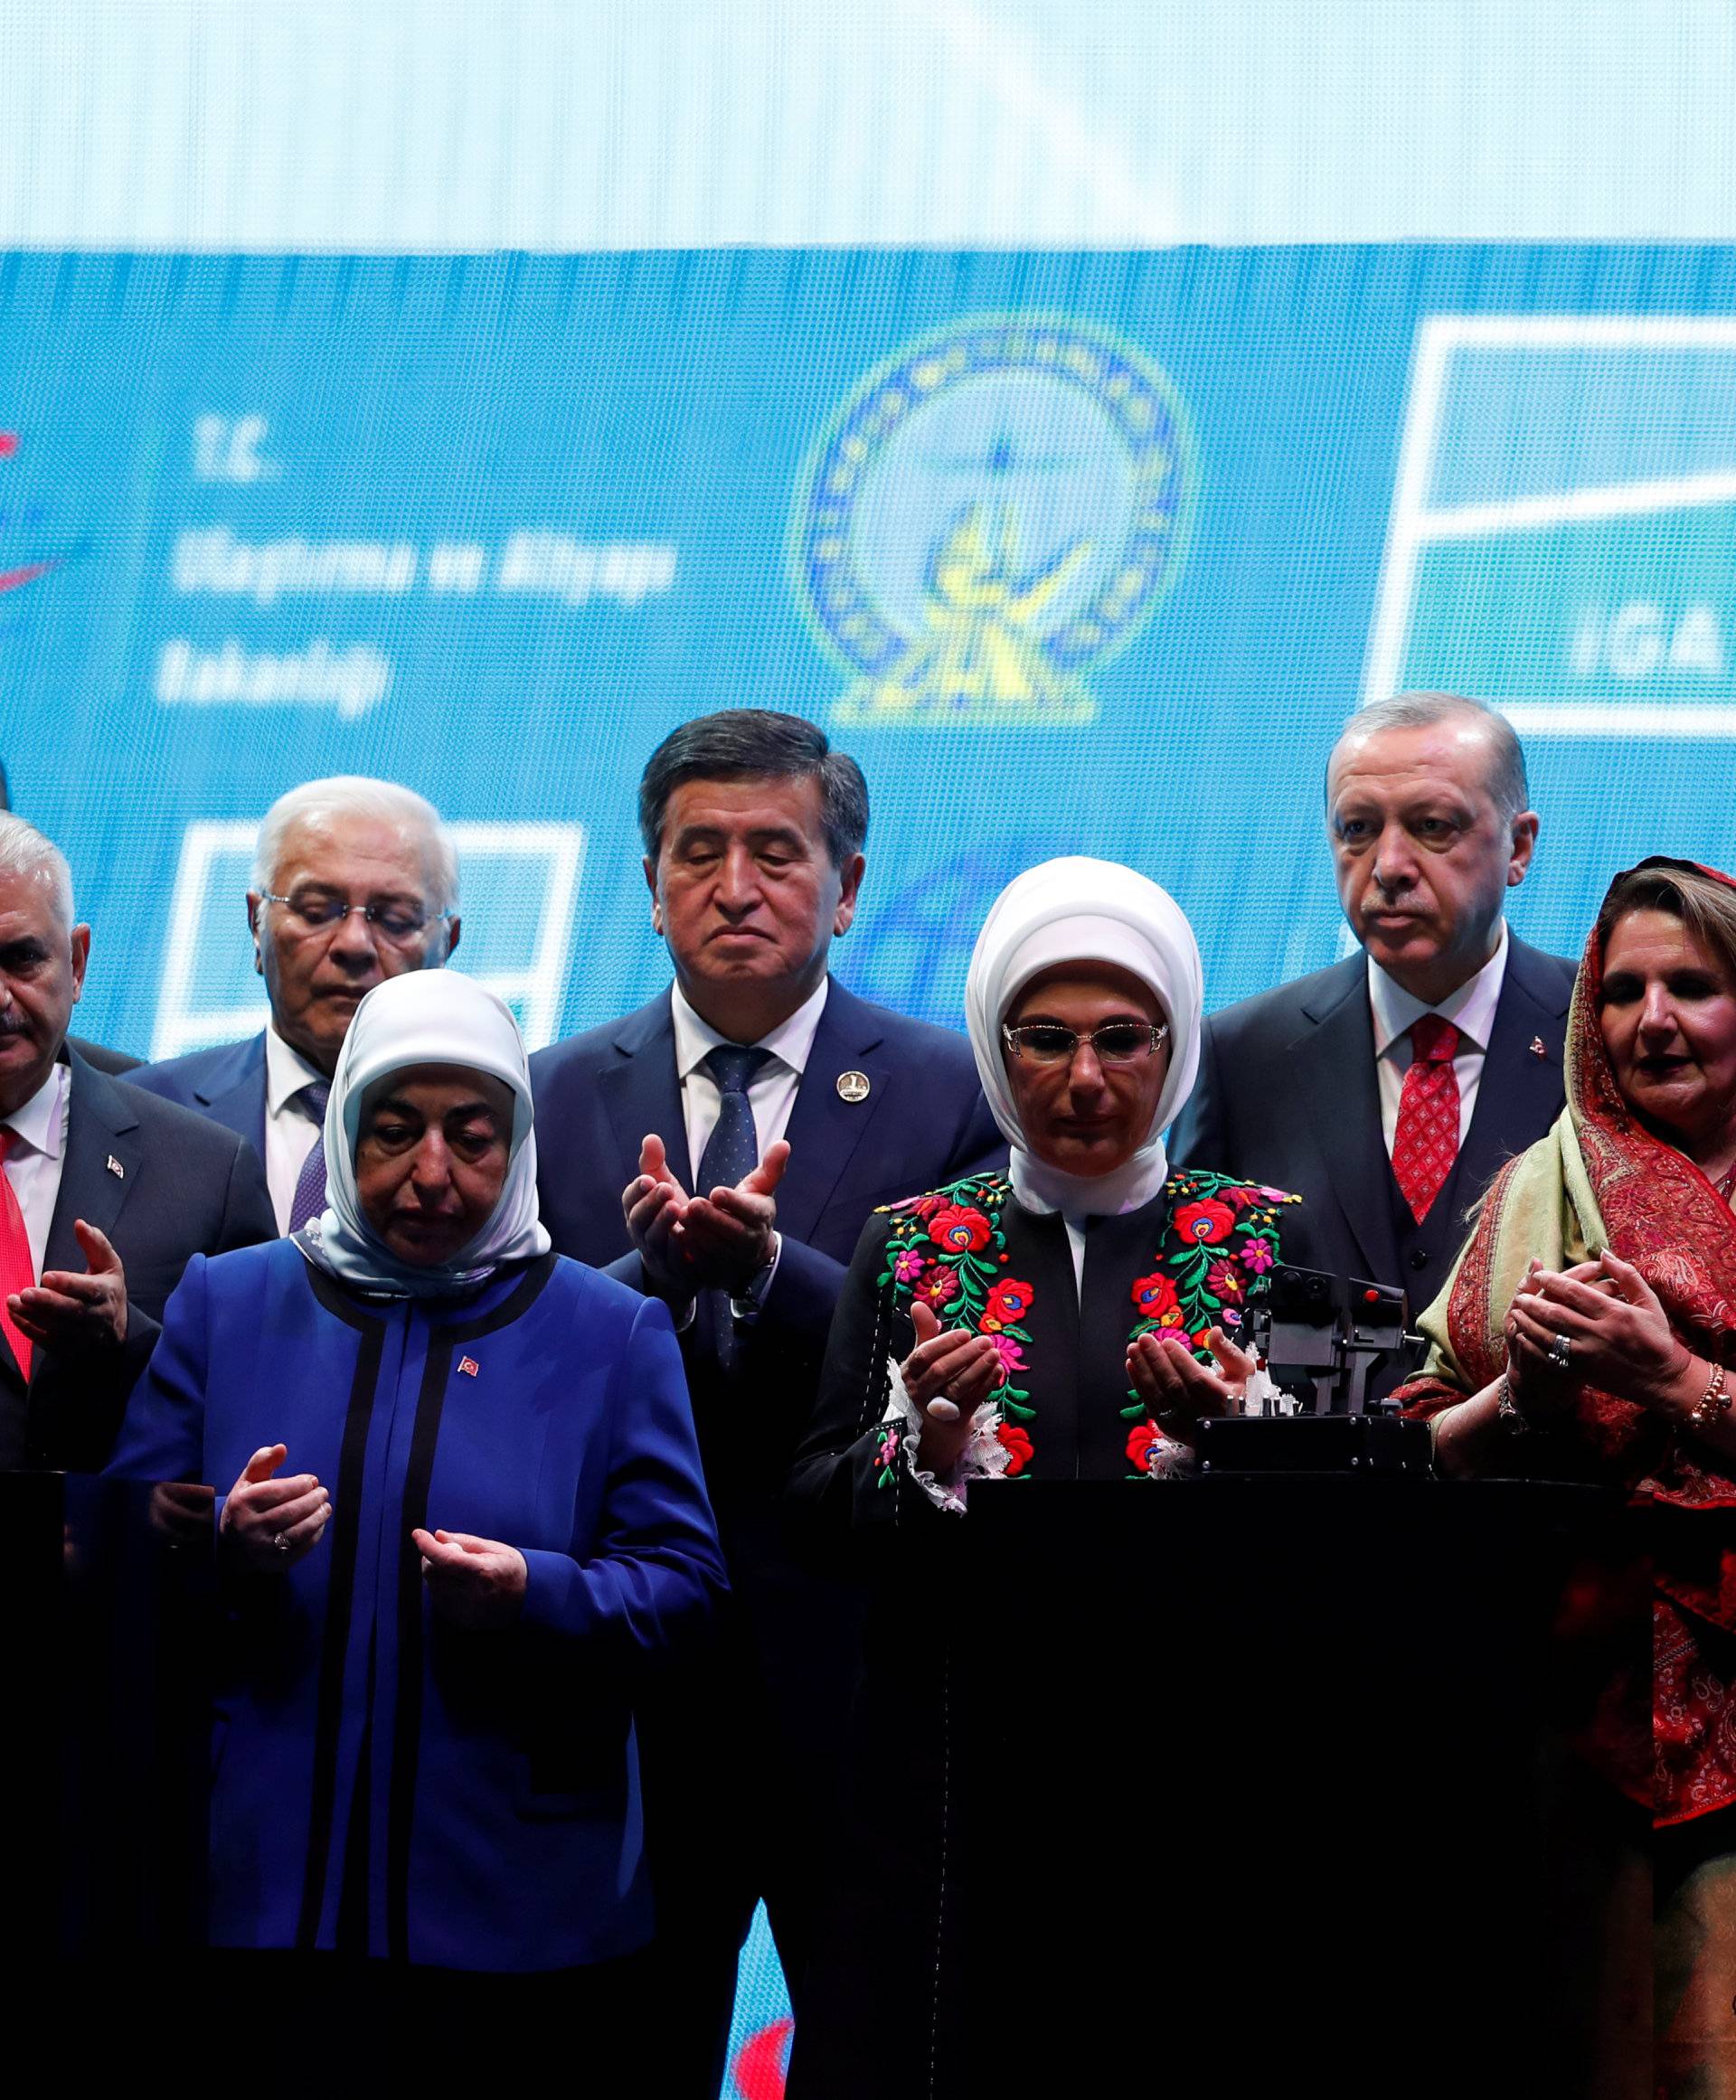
757,1113
354,880
104,1194
1388,1089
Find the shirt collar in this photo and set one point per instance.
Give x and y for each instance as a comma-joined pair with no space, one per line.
41,1123
789,1042
1470,1009
287,1072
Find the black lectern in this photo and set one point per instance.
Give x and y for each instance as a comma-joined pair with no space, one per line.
105,1659
1280,1784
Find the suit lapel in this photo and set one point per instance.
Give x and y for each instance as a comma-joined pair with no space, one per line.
236,1096
1335,1064
641,1092
1519,1095
101,1167
825,1130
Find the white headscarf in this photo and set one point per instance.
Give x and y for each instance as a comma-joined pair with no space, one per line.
1080,910
425,1017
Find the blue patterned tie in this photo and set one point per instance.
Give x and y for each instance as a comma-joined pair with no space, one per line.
309,1199
732,1152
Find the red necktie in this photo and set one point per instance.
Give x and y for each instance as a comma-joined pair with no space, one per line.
17,1271
1426,1143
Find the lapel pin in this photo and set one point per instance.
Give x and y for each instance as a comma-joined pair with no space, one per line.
115,1168
467,1366
1539,1048
852,1086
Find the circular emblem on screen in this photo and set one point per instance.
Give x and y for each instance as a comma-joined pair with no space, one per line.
992,512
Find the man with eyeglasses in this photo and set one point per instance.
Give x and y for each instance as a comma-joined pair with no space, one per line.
354,880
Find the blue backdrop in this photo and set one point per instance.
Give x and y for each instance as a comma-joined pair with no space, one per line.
1075,551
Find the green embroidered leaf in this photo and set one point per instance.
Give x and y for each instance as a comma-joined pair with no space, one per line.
1019,1413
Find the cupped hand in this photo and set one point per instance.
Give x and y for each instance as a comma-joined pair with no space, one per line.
476,1583
948,1375
1179,1389
653,1204
727,1236
72,1312
269,1524
1619,1338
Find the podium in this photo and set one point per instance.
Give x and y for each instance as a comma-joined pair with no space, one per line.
106,1658
1280,1783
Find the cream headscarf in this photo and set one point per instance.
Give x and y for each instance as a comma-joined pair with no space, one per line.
425,1017
1082,910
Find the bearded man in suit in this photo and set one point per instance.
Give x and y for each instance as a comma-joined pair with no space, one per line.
1387,1090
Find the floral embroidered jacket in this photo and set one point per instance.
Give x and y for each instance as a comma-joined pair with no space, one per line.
982,1261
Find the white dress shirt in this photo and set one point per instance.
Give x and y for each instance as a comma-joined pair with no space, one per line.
291,1130
1471,1011
771,1091
37,1158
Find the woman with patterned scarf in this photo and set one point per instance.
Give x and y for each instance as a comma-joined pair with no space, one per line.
1590,1321
1072,1319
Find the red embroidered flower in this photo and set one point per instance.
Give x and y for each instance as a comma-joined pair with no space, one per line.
1008,1303
1205,1222
1012,1357
1140,1440
1155,1297
1016,1443
961,1230
1224,1279
921,1206
939,1287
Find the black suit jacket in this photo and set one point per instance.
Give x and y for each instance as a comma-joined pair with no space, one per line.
923,1122
1287,1093
164,1184
226,1083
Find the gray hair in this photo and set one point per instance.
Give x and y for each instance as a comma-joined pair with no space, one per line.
1421,710
355,794
23,851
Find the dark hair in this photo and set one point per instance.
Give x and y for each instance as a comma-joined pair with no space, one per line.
744,742
1508,785
1707,907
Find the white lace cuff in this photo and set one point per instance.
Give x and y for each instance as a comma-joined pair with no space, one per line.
984,1454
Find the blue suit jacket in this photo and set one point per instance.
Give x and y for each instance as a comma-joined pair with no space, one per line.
226,1083
163,1185
493,1770
923,1122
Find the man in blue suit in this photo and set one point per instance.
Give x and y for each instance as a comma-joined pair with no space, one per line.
722,1147
354,880
1388,1089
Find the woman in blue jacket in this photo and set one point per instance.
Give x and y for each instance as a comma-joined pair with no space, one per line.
467,1513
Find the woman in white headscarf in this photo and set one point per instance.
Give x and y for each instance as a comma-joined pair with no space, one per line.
1070,1319
463,1509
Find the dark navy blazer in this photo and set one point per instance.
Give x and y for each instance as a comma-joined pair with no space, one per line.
163,1185
226,1083
477,1790
1288,1093
923,1122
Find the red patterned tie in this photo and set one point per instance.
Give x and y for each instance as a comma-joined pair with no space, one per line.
1426,1143
17,1271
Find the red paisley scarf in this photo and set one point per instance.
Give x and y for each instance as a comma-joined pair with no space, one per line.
1661,1214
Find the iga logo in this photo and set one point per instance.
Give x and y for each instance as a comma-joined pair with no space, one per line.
997,509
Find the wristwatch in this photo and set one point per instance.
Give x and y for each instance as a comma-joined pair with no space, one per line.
748,1301
1508,1412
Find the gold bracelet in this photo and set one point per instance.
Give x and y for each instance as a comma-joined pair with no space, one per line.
1713,1405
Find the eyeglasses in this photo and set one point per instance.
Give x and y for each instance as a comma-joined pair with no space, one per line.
1118,1042
316,911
